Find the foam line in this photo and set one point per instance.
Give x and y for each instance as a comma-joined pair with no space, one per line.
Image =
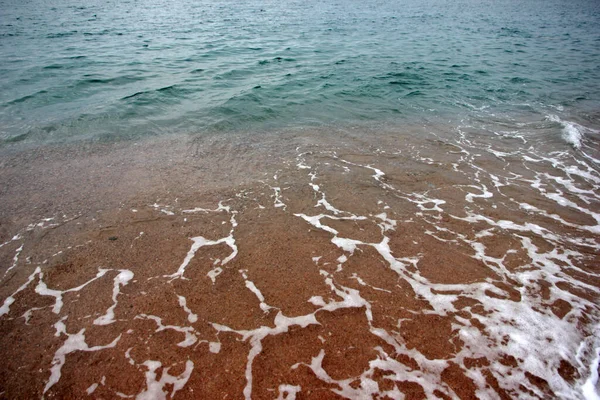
523,326
15,259
288,392
277,194
486,194
162,209
528,207
122,279
420,199
322,202
220,207
190,337
252,287
386,224
363,283
43,290
200,241
213,273
16,237
526,227
350,299
41,224
255,337
589,389
183,303
74,342
156,388
11,299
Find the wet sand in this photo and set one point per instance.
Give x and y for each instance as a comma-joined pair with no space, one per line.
304,264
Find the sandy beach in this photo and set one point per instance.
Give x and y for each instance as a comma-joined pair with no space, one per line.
319,265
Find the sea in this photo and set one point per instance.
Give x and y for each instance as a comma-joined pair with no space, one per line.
113,70
387,199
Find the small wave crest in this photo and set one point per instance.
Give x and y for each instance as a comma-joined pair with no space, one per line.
572,132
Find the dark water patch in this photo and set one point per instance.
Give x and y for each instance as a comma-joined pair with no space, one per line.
518,79
60,34
133,95
28,97
276,60
403,83
54,66
514,32
116,81
414,93
98,33
172,94
16,138
402,78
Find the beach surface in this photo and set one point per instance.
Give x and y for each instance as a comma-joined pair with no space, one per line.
396,262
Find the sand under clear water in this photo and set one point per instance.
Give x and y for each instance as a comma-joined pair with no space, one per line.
396,262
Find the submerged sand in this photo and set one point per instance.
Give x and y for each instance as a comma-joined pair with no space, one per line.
304,264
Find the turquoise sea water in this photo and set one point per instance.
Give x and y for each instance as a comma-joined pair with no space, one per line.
125,69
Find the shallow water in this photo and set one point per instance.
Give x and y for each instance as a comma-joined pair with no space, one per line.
348,264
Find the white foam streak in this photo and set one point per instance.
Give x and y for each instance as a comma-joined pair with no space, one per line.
122,279
11,299
199,242
590,388
43,290
277,194
74,342
386,224
252,287
213,273
590,228
484,195
15,259
16,237
288,392
183,304
368,388
91,389
156,388
220,207
162,209
190,337
255,337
